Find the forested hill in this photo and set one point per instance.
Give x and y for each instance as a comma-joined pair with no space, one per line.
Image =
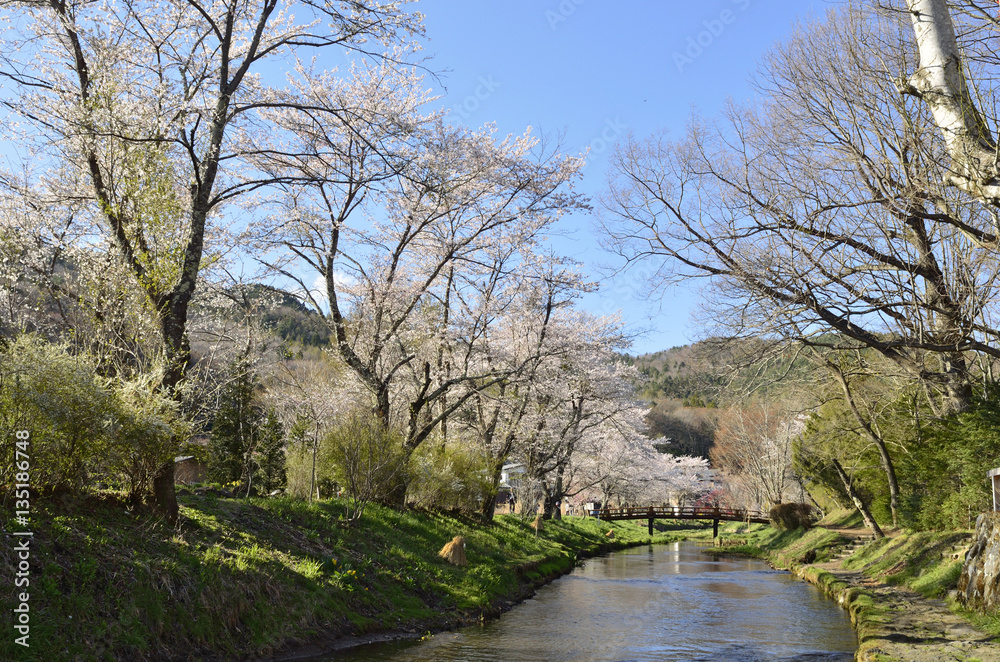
689,386
680,373
683,388
276,310
714,374
294,322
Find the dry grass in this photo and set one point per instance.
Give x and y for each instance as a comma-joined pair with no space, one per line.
454,552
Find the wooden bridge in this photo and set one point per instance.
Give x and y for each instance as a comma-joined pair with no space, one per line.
651,513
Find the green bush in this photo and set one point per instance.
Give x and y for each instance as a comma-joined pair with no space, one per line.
790,516
82,429
58,398
948,464
367,458
299,463
146,432
454,477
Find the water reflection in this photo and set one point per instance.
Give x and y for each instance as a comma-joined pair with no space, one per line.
670,602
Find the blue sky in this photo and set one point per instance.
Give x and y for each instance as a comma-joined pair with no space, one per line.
591,71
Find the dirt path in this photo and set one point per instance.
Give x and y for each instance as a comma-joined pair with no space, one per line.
916,629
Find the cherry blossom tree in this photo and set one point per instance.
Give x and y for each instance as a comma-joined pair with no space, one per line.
524,340
581,397
154,110
411,226
623,468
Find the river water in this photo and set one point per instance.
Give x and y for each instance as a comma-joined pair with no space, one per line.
661,602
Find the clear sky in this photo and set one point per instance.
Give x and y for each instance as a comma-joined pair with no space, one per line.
591,71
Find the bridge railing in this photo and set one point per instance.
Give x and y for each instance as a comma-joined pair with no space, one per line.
677,512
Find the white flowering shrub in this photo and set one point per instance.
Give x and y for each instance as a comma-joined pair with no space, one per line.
83,429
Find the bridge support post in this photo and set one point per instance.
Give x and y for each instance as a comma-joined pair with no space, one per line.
715,528
650,526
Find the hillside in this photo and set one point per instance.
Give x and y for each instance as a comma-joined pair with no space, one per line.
680,373
688,385
715,373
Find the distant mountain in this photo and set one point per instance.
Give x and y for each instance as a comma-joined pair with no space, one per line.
680,373
282,313
295,322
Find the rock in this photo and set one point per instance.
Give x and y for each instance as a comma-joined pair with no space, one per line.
979,583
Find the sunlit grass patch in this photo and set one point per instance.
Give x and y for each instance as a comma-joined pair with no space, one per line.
920,561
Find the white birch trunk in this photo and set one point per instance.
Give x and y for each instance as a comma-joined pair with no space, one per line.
941,83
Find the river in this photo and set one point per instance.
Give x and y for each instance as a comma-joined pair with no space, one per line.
660,602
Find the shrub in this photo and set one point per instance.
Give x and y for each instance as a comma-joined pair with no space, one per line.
146,432
454,477
787,516
299,462
949,464
81,428
59,399
367,459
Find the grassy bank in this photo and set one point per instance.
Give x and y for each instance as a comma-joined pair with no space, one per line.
246,578
865,579
923,561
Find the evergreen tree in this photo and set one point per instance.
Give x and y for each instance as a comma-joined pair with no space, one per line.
247,441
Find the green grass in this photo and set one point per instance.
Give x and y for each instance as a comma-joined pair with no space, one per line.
843,518
781,548
241,578
920,561
987,622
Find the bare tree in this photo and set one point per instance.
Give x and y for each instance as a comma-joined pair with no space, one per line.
753,446
821,215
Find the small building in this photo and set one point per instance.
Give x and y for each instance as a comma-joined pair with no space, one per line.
511,475
188,470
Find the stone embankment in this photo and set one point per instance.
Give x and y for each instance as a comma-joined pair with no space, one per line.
895,623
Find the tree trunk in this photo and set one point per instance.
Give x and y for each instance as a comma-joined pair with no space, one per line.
559,494
164,492
173,322
858,501
489,508
548,501
890,473
942,85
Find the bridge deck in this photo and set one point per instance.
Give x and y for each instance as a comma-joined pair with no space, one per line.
678,512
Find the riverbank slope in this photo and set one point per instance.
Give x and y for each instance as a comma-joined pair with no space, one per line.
896,589
244,579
